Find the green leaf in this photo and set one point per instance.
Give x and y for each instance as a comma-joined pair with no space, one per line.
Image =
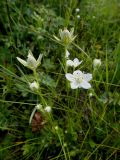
47,80
92,143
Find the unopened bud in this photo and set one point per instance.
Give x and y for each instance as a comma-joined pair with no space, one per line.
66,36
96,63
48,109
34,86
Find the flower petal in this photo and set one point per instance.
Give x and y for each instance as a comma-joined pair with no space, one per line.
39,59
69,63
31,58
56,38
32,63
87,77
22,61
67,54
74,85
77,72
85,85
76,62
69,77
30,53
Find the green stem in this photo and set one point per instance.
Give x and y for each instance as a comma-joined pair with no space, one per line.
65,66
65,69
32,115
80,49
62,145
39,91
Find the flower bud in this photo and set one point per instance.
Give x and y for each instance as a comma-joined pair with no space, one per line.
31,62
38,107
78,17
34,86
48,109
66,36
65,144
56,128
90,94
77,10
96,63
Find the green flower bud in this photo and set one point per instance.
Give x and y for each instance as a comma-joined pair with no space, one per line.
66,36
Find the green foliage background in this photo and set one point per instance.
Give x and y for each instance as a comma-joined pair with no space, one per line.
89,127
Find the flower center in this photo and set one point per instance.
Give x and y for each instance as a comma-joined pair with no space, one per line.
79,78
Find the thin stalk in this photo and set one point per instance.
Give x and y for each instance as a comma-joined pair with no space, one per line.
65,60
80,49
106,72
65,69
32,115
62,146
39,91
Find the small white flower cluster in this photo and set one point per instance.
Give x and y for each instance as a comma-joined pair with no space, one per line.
39,107
32,64
77,10
78,79
47,109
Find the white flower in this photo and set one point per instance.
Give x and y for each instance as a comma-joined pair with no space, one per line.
67,54
96,63
77,10
38,107
78,16
66,37
73,63
31,62
79,80
48,109
34,86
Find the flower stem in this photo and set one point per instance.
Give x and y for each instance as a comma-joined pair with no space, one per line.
32,114
65,69
65,66
39,91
